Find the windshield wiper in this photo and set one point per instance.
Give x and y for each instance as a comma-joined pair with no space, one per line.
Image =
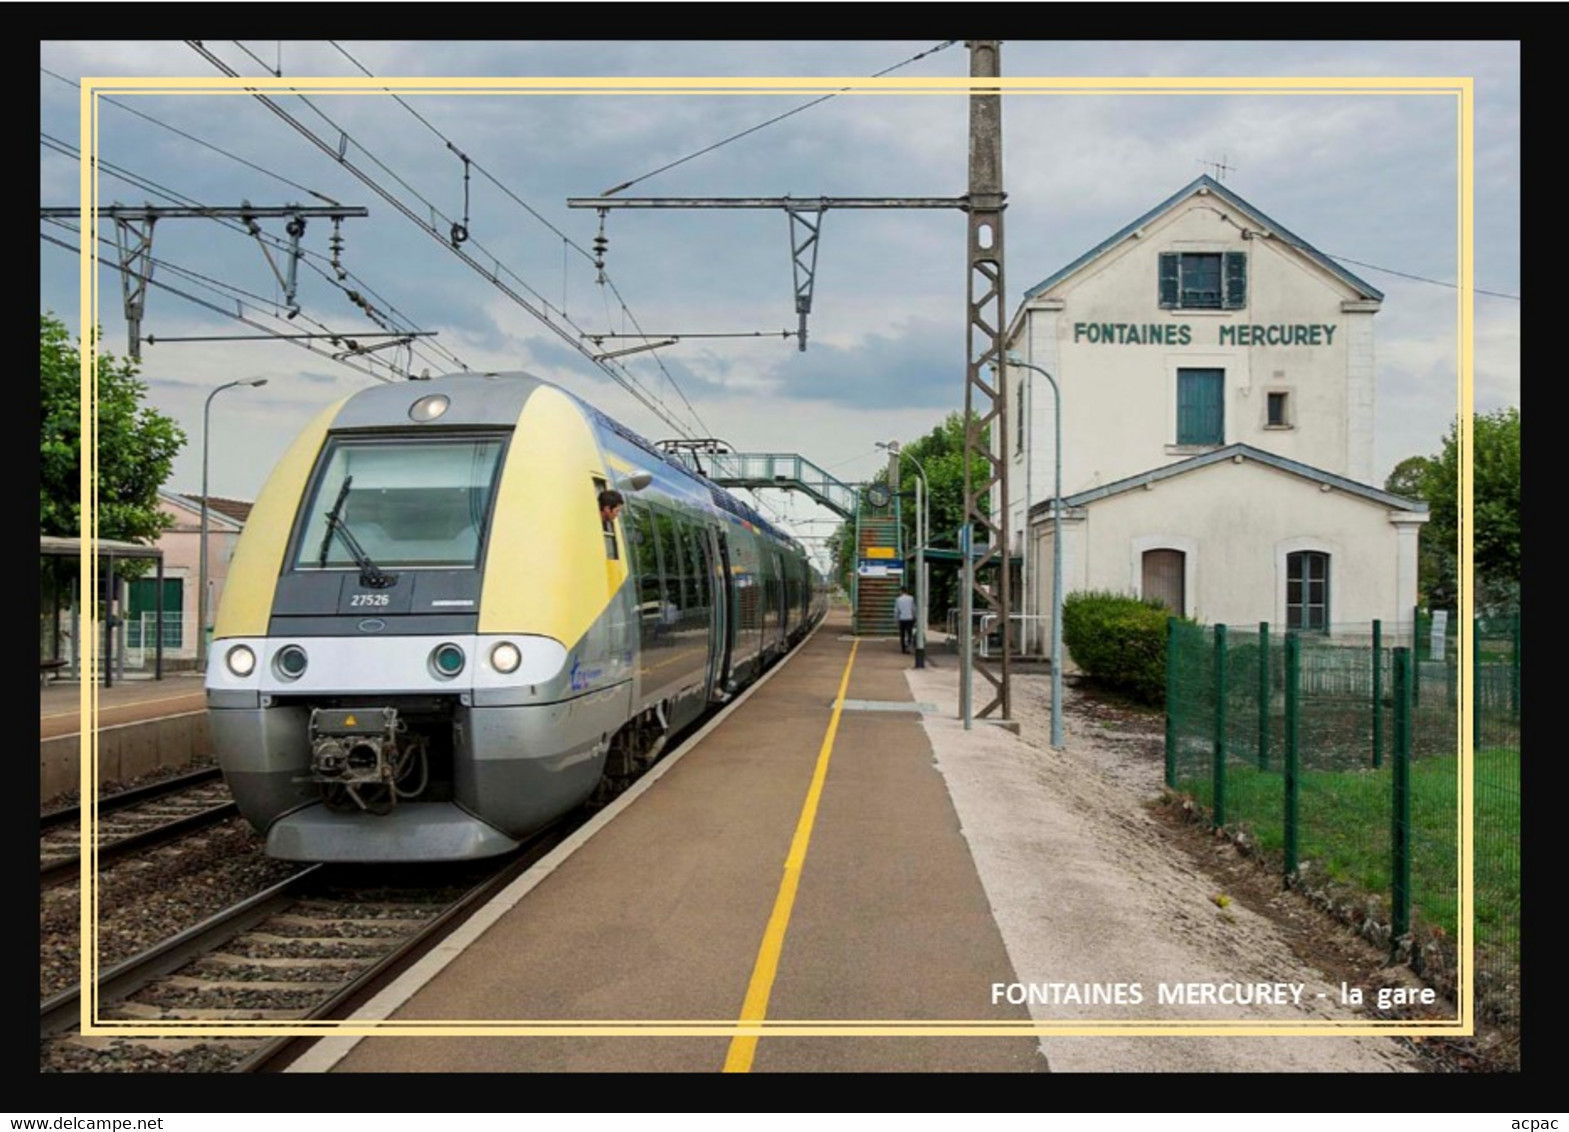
370,574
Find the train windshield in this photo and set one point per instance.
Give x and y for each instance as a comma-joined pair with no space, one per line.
400,503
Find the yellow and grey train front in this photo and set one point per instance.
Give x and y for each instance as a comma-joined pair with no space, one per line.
423,648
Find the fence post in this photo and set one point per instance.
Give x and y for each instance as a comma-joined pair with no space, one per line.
1451,676
1171,702
1416,655
1293,663
1476,684
1514,674
1263,695
1218,817
1378,693
1400,828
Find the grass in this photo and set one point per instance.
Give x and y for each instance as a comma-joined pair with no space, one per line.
1344,828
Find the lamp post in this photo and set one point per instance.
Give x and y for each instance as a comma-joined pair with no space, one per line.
201,581
1056,555
922,495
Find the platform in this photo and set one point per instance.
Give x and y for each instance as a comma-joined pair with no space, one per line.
672,910
142,726
836,852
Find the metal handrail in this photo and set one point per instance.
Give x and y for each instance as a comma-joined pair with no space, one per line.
985,629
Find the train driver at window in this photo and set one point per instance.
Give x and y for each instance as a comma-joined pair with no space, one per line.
610,504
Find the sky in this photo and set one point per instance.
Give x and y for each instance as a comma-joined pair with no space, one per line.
1367,179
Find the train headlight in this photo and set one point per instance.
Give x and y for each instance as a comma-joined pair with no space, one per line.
241,660
505,657
290,662
447,660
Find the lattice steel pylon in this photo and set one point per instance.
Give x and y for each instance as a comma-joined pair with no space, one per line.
985,405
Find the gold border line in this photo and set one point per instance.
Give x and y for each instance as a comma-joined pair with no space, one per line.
87,631
355,84
755,1008
92,87
1464,923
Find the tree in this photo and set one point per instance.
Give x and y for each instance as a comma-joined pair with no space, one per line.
1435,557
135,450
940,453
1495,518
1406,479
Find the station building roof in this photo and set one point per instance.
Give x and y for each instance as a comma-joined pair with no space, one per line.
1205,183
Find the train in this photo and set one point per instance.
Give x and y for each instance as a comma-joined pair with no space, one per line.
431,645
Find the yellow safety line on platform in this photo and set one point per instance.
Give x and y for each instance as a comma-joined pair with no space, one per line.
744,1046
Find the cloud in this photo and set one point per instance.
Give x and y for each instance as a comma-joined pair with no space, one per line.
1369,178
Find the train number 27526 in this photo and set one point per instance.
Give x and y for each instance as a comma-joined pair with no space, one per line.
360,600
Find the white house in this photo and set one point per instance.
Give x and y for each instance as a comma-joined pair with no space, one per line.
1216,375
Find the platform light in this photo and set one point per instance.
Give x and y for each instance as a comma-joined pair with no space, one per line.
241,660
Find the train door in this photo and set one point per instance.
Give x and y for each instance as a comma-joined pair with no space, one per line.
725,609
784,602
783,606
716,555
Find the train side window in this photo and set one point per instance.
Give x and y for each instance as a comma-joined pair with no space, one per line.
692,567
700,569
670,567
644,553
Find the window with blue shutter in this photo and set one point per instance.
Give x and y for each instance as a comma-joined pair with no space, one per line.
1201,407
1236,280
1203,280
1168,280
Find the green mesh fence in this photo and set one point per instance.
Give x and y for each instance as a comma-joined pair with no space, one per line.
1385,856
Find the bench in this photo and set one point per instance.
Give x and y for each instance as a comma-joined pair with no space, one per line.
47,668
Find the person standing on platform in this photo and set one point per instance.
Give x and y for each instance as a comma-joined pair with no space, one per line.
904,611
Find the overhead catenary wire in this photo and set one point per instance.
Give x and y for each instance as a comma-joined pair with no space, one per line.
492,273
129,109
1420,278
239,297
567,241
771,121
1292,242
307,257
301,344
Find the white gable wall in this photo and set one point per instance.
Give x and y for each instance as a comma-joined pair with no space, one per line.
1116,354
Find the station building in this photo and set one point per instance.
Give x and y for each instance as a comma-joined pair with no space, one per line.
1216,376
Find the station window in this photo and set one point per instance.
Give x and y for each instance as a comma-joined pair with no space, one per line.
1276,415
1203,280
1307,591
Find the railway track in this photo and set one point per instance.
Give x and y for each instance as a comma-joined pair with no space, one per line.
132,822
307,949
310,947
